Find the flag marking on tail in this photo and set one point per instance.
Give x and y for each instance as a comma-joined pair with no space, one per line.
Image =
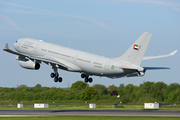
136,47
137,50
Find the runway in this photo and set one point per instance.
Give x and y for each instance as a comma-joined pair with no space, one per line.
90,113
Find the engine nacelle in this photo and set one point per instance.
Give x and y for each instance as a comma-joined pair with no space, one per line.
29,65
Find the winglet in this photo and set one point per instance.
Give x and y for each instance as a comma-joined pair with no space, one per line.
6,46
173,53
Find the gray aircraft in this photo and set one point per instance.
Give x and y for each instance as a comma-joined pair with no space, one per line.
31,53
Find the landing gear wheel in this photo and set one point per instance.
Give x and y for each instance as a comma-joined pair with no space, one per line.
86,80
55,79
83,75
60,79
56,74
52,75
90,80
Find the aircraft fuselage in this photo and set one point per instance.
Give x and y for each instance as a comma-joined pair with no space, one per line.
77,61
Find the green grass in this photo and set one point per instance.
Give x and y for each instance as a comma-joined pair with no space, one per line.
89,118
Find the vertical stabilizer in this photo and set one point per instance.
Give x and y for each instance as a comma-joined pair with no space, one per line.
136,52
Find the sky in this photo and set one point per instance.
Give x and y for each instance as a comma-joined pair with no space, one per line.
103,27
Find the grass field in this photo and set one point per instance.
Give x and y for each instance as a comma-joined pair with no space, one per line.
89,118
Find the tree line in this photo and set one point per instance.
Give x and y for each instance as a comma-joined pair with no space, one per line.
146,92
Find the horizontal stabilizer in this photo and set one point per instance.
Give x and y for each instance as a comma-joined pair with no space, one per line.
160,56
155,68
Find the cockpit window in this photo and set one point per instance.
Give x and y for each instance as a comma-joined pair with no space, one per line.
16,41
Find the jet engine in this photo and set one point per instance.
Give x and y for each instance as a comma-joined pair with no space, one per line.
29,65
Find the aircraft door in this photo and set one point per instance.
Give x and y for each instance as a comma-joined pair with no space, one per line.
74,59
35,47
107,65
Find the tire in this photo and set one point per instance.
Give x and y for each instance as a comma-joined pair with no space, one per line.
83,75
55,79
90,80
86,80
52,75
60,79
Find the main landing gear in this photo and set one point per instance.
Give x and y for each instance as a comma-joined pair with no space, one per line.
55,75
86,78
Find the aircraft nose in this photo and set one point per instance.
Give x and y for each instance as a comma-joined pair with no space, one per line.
15,45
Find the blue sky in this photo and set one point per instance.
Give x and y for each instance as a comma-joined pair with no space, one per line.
104,27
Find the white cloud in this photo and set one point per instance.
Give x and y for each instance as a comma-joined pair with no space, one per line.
168,4
46,12
9,21
21,6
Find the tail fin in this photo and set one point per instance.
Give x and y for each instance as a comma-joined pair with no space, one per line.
136,52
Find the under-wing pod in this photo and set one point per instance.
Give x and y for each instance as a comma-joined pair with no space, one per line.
29,65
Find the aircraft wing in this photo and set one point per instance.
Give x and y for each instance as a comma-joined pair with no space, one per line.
48,60
13,52
160,56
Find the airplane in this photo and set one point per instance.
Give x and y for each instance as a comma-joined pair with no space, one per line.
31,53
